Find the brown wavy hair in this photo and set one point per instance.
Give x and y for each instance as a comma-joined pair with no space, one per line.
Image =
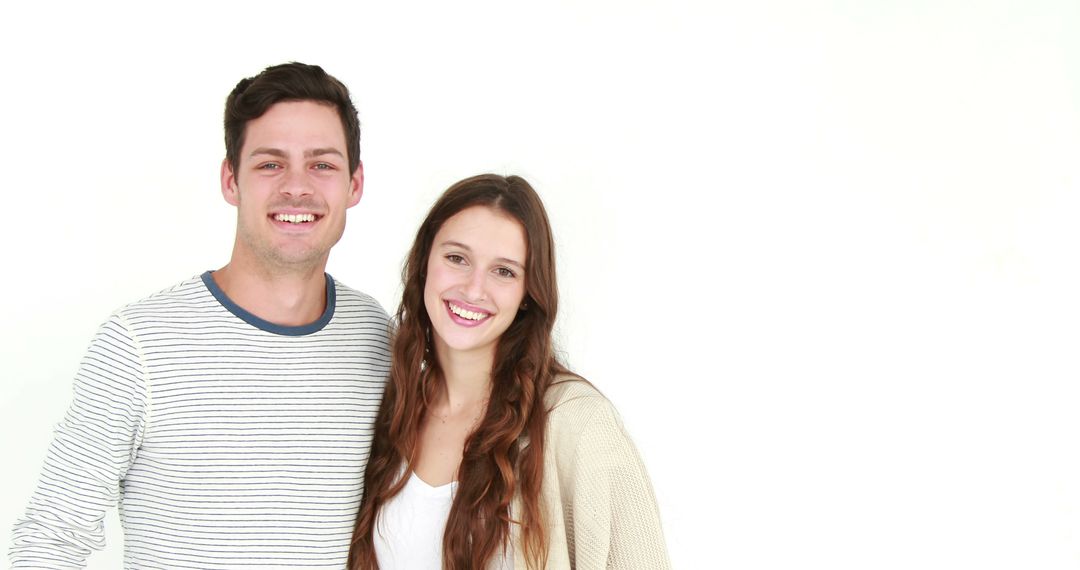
504,454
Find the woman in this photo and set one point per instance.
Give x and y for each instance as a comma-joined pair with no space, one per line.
488,453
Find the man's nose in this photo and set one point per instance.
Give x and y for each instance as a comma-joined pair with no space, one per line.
296,183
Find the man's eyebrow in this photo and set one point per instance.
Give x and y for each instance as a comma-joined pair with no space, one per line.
307,153
322,151
267,150
459,245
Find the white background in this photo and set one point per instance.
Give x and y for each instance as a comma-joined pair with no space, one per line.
821,255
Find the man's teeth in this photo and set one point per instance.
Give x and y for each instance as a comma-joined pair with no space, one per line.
471,315
295,218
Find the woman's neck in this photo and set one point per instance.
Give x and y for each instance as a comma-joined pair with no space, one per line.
466,376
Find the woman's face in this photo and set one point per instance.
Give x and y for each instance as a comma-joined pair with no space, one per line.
475,280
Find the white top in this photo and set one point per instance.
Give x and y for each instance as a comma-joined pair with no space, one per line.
409,528
230,442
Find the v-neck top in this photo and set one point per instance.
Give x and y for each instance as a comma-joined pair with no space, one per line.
409,528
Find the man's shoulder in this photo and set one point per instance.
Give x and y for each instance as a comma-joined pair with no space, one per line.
349,300
185,295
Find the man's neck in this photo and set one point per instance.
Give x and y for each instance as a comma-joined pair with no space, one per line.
294,298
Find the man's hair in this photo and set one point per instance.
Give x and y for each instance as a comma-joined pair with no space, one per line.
252,97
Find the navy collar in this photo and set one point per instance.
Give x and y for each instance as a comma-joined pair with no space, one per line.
268,326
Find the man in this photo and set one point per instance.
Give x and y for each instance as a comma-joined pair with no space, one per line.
231,415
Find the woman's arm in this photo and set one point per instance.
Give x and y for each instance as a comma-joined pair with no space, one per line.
607,493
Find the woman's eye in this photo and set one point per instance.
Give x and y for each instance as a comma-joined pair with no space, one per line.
455,258
504,272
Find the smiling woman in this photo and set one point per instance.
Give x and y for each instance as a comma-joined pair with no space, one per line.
475,283
488,452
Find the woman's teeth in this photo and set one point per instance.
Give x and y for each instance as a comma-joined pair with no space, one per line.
471,315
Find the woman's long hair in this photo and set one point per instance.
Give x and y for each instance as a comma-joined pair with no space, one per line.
504,455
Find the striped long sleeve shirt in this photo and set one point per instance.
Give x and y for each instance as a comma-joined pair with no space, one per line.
228,441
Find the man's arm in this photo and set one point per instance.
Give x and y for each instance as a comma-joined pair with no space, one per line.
91,451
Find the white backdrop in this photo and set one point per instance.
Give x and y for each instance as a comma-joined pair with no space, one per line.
822,255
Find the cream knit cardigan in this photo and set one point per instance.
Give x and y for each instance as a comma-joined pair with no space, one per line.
600,507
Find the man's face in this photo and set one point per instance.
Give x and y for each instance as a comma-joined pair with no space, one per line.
291,188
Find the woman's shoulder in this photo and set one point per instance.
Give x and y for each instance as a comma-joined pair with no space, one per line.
570,389
574,404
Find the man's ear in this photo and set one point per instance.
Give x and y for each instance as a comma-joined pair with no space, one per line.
229,189
356,185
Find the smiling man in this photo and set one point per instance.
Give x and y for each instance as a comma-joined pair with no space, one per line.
231,414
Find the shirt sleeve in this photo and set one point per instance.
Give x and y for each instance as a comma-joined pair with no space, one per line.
91,451
616,519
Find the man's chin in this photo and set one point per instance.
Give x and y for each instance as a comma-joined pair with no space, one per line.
293,259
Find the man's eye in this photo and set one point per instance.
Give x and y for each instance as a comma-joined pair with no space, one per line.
269,166
324,166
